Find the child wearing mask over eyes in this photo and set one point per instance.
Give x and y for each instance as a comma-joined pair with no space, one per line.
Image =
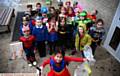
28,46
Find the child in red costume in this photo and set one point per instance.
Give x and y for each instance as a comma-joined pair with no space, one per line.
93,15
58,64
28,45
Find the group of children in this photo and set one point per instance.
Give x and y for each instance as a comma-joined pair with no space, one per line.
69,27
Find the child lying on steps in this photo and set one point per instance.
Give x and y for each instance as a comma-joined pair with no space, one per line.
58,64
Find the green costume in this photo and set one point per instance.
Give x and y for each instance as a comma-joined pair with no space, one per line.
81,42
48,2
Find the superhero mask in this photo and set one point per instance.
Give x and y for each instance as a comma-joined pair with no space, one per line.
26,31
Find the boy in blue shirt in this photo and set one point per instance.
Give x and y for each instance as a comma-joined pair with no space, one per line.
40,32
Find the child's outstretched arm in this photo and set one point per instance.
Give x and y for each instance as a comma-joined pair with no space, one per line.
75,59
45,62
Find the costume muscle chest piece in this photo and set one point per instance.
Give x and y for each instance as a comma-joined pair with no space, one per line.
27,42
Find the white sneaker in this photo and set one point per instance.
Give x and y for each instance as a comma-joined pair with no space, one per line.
34,63
37,72
29,65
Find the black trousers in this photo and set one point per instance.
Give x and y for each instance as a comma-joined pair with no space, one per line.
70,38
82,53
41,47
93,46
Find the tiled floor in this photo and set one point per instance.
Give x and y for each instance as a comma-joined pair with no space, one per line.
106,65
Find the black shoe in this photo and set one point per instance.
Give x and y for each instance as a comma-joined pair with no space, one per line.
73,52
50,53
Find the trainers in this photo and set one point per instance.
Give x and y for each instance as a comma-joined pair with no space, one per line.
34,63
29,65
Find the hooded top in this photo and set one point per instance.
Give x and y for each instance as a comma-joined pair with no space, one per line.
81,42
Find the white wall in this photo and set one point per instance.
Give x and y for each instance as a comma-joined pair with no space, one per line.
115,23
4,3
9,2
